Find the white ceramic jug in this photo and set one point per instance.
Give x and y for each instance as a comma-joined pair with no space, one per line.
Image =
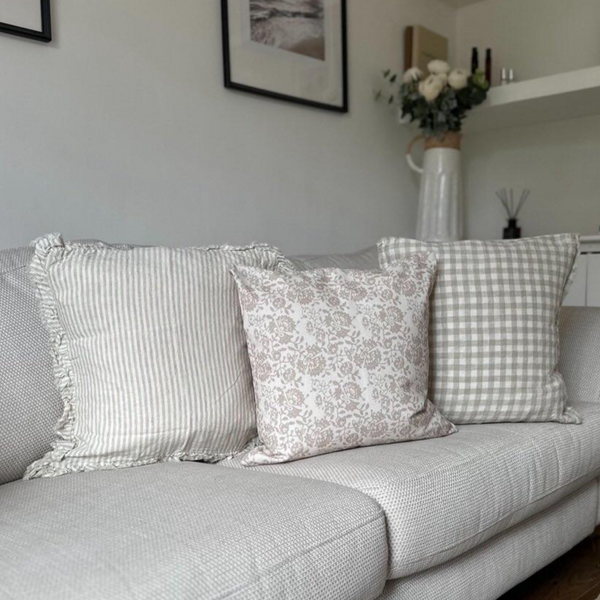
440,196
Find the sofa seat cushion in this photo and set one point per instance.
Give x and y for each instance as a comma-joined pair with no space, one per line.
445,496
188,531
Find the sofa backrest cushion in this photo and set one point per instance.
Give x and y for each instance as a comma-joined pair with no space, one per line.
363,260
29,401
580,353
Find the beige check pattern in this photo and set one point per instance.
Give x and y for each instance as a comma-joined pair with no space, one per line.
494,333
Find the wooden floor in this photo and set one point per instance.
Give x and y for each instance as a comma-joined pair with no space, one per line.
574,576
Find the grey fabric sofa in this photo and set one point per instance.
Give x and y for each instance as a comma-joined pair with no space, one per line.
465,517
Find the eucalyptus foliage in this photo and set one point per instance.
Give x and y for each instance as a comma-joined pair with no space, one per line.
446,112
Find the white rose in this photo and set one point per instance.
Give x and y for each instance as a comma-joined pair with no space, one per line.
458,79
413,74
438,67
431,87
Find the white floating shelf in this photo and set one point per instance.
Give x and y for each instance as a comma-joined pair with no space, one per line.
552,98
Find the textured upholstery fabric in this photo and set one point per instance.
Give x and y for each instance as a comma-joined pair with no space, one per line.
494,326
180,531
339,358
364,260
29,401
580,353
598,516
149,352
499,564
444,496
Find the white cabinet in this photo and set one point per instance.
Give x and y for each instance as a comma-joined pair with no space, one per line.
585,290
593,280
578,292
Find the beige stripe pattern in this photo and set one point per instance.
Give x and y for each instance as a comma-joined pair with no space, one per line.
149,352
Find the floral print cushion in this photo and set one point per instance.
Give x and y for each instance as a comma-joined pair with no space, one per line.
340,358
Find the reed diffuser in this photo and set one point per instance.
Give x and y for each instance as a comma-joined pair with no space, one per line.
512,208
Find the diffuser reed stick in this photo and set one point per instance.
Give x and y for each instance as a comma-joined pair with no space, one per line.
511,207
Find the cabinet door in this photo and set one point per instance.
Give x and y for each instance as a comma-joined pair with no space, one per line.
577,293
593,283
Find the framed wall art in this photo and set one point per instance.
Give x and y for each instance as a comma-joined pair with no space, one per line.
292,50
26,18
421,46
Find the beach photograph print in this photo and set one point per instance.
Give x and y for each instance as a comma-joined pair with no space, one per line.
296,26
290,50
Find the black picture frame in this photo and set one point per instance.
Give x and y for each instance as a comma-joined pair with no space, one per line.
45,35
230,84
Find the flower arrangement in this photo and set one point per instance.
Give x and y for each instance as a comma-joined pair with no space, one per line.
438,101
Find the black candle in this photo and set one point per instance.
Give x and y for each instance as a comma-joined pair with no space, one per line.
474,60
488,65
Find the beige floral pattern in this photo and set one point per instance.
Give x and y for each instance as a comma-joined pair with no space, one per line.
340,358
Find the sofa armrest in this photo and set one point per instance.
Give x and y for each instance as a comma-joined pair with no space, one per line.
580,353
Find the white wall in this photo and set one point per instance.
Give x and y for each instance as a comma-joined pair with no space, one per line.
559,161
534,37
121,130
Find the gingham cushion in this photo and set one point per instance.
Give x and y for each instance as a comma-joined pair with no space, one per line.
494,326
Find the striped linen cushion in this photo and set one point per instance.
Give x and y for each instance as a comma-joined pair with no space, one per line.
493,336
149,352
